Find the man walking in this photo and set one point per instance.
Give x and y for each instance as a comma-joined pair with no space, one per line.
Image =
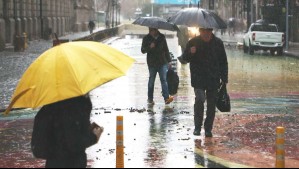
208,66
91,26
158,59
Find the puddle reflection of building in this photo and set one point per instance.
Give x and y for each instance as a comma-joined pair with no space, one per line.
157,148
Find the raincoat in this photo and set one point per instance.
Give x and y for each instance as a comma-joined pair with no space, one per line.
159,55
209,63
70,132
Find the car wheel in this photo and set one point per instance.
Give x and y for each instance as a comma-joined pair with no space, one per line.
272,52
280,51
251,50
245,48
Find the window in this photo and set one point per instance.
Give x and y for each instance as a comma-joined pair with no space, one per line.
264,28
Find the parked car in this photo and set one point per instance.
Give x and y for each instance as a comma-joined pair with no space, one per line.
263,36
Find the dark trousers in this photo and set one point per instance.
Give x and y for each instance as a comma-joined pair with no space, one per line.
76,161
200,97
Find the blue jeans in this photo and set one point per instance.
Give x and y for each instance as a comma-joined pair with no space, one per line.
162,70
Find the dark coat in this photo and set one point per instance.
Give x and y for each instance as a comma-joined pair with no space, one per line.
91,25
209,64
70,132
159,55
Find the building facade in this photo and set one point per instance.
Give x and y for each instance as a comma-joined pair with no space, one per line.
40,18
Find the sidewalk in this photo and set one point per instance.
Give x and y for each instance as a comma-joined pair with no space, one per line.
78,35
293,49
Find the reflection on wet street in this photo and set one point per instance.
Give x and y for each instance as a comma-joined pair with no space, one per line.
264,93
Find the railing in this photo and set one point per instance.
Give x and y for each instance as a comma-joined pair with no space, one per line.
103,34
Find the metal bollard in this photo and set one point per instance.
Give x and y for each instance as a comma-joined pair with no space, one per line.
25,40
119,142
280,153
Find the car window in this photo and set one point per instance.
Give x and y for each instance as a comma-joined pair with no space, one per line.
264,28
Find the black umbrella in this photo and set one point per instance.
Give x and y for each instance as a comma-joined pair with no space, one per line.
198,17
156,22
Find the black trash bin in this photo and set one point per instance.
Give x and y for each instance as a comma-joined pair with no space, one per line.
19,43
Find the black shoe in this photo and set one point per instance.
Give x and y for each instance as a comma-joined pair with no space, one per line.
150,102
208,134
196,132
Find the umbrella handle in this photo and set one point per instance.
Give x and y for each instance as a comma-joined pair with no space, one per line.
15,99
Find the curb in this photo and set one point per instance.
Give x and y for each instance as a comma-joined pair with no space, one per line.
292,54
217,160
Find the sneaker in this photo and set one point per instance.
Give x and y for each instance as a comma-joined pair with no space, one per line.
169,100
150,102
196,132
208,134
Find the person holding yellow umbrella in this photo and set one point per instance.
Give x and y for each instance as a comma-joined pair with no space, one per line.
62,131
59,81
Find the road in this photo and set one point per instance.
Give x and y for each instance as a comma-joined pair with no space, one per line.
264,93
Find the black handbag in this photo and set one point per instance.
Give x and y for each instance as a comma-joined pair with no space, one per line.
173,82
223,99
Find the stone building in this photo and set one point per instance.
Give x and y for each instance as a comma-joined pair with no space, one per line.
40,18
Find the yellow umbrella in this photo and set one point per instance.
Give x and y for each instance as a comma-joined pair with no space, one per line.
68,70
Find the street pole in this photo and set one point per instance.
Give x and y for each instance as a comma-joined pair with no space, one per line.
152,10
251,12
112,14
41,19
287,24
248,6
153,1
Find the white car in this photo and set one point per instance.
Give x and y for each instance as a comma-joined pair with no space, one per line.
261,36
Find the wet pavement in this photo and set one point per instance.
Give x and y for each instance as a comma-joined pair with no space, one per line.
264,93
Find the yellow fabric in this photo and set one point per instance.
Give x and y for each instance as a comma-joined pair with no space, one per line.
69,70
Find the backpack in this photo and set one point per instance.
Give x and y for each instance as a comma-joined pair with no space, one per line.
42,135
173,82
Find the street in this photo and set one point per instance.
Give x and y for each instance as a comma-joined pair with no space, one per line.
264,93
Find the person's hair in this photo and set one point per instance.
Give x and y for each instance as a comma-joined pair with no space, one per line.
150,29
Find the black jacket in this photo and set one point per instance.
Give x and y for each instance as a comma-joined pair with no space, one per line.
209,64
159,55
69,132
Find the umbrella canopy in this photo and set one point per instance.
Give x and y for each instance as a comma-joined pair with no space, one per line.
156,22
198,17
68,70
